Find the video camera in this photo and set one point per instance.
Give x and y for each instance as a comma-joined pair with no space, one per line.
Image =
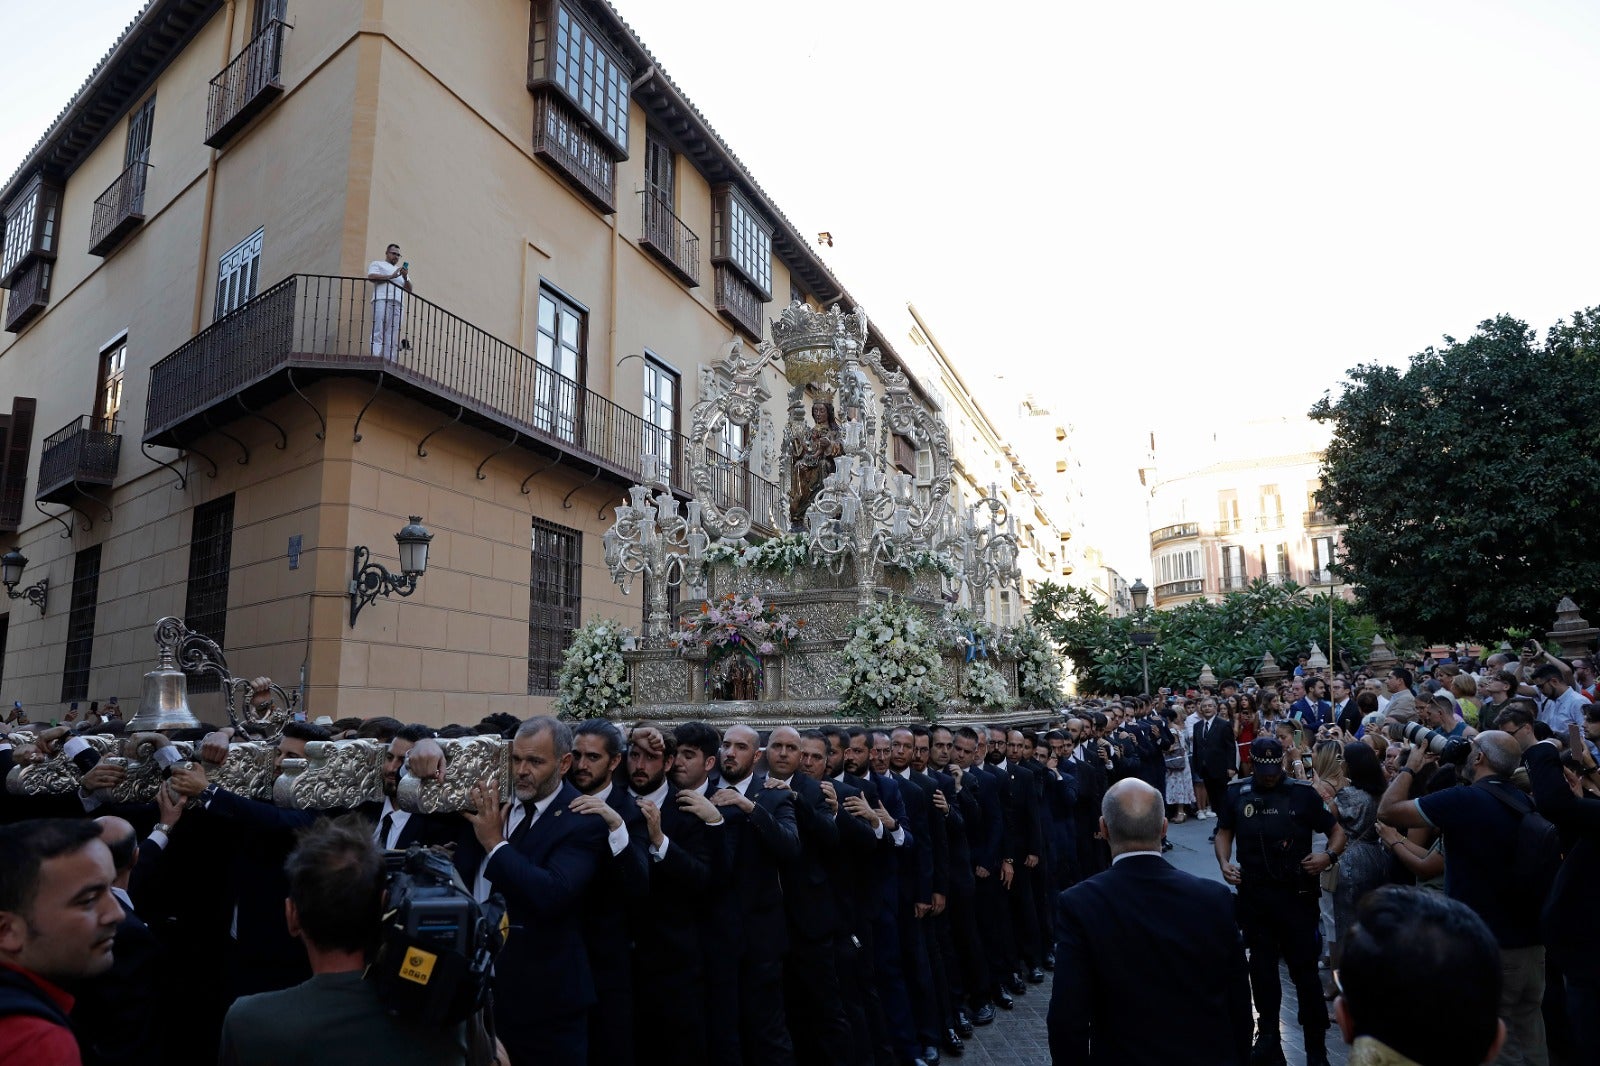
1451,750
436,942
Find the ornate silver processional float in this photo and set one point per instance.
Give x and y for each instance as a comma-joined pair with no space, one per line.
860,527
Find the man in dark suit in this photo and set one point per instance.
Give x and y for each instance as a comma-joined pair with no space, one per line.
541,857
761,835
881,796
851,875
919,885
117,1014
966,958
1134,927
992,864
810,973
1027,797
394,828
619,891
1215,754
669,958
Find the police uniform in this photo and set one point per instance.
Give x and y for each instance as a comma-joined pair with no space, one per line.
1279,912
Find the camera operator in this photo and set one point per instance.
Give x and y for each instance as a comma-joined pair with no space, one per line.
1480,827
1275,821
1405,939
335,900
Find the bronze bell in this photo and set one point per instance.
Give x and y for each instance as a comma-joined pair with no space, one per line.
166,699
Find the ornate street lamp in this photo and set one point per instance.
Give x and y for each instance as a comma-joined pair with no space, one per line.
12,563
371,580
1142,638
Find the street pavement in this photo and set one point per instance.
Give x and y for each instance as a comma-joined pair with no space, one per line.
1018,1036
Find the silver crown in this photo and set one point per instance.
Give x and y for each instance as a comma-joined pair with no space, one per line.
801,329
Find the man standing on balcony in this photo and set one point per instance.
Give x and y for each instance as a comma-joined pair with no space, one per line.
391,281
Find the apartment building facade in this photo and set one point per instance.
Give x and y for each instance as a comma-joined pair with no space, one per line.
1241,507
185,255
987,461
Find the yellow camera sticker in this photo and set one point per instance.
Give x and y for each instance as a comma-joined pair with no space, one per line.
418,965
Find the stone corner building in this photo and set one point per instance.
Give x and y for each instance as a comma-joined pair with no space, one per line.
200,420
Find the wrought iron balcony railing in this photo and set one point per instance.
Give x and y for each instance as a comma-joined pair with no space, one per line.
82,452
1319,517
319,325
1177,531
664,235
119,210
246,85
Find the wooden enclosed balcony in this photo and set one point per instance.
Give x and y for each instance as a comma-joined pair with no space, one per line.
312,326
119,210
246,85
84,452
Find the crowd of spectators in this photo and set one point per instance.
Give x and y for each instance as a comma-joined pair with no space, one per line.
851,895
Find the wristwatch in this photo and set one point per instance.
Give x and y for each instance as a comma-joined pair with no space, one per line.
163,827
1334,855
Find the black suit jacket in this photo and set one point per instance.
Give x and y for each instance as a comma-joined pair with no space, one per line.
542,971
916,867
669,945
1571,936
987,839
1130,929
756,844
117,1014
1026,798
421,829
938,831
616,896
854,868
1215,751
808,895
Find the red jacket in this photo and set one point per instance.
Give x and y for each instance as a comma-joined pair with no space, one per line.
33,1021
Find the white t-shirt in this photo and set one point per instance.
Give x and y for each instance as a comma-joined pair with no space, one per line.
386,290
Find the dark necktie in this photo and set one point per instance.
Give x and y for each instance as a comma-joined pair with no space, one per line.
384,828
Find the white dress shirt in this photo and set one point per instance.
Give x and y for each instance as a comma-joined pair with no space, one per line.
618,837
397,823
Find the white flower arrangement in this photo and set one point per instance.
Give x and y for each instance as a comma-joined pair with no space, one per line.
594,679
775,555
891,665
1038,666
984,685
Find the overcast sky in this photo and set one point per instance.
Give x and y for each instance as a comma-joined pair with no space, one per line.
1154,215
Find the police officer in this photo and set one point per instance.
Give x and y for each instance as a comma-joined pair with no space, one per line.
1273,819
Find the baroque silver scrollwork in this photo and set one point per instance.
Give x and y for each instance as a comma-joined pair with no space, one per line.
467,760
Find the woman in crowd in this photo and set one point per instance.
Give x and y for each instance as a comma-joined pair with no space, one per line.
1465,690
1244,731
1352,790
1294,751
1180,786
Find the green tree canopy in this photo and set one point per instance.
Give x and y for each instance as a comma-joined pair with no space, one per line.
1462,480
1230,635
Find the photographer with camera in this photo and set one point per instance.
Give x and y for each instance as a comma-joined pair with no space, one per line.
336,897
1481,825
